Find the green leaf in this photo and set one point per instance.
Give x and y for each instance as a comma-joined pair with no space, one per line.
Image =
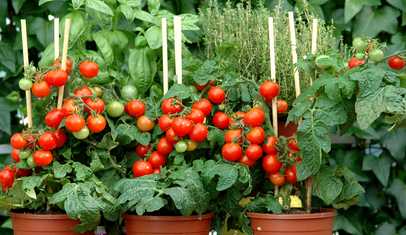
227,175
379,165
153,36
343,223
400,4
42,2
145,16
142,67
398,190
104,46
29,185
369,108
317,2
154,5
266,204
182,198
371,22
327,186
17,4
352,7
8,55
99,6
180,91
394,142
386,229
82,172
127,12
61,170
78,26
42,29
130,131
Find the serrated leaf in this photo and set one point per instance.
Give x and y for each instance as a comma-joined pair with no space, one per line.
61,170
180,91
227,175
182,198
82,172
267,204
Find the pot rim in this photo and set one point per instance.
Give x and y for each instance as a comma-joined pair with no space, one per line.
207,216
39,216
324,213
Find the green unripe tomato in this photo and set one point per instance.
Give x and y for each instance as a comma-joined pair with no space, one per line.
30,162
25,84
82,134
129,92
324,62
25,154
376,55
97,91
115,109
359,44
360,56
181,147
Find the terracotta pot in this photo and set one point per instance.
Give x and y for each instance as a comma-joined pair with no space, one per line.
168,225
293,224
47,224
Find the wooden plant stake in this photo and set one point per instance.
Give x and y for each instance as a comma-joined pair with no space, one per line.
315,25
56,38
164,26
26,65
177,23
64,58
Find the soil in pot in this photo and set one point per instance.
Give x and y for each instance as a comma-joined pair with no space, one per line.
318,223
168,225
43,224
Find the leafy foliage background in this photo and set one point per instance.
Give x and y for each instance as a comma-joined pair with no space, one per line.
380,163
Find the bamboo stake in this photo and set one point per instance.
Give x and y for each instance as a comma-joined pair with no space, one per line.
294,53
177,22
315,24
164,26
56,38
64,58
26,65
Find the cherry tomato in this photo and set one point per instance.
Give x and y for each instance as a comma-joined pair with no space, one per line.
15,155
6,178
115,109
165,122
69,64
216,95
199,133
181,146
96,124
171,136
47,141
142,150
171,106
291,174
23,172
88,69
83,92
270,145
42,157
246,161
293,146
376,55
231,152
191,145
164,146
141,168
254,117
157,159
18,141
221,120
41,89
54,118
144,123
396,62
69,106
82,133
25,84
204,105
196,115
201,87
354,62
182,126
135,108
277,179
256,135
56,77
233,136
269,90
129,92
74,122
271,164
253,152
60,137
98,91
96,105
282,106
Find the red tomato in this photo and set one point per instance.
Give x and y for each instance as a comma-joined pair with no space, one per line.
246,161
56,77
142,150
254,117
216,95
171,106
221,120
233,136
60,137
292,145
74,122
47,141
6,178
277,179
96,124
41,89
15,155
54,118
157,160
196,115
256,135
182,126
269,90
201,87
141,168
164,146
396,62
23,172
18,141
231,152
271,164
144,123
282,106
270,145
69,64
253,152
42,157
165,122
204,105
157,171
199,133
171,136
97,105
355,62
291,174
83,92
135,108
88,69
69,106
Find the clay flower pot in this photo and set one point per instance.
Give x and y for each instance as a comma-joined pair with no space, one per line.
168,225
320,223
43,224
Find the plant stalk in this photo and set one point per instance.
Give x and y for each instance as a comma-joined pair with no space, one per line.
309,190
